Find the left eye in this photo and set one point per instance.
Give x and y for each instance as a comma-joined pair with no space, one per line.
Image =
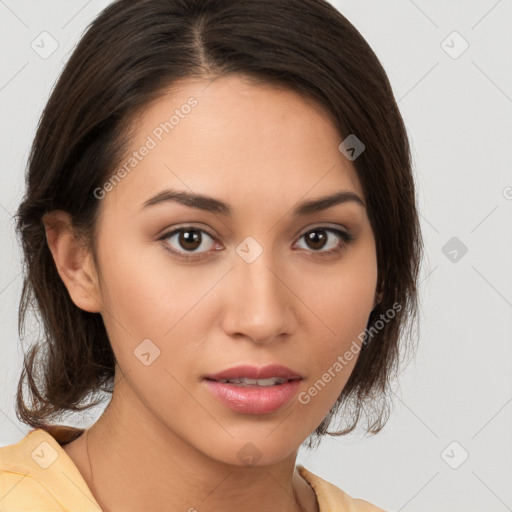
318,238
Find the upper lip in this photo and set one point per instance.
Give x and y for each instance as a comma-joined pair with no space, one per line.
253,372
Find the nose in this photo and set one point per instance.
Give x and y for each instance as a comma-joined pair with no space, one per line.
260,304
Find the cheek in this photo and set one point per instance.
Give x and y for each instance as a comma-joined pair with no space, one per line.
342,301
148,297
152,307
343,297
144,292
333,352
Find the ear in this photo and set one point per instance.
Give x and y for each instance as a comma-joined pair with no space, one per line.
74,263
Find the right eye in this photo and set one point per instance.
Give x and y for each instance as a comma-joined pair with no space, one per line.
188,239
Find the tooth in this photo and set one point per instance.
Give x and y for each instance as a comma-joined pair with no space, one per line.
272,381
268,382
243,380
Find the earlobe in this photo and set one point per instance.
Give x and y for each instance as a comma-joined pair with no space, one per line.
73,261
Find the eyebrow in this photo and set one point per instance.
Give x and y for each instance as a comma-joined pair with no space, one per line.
210,204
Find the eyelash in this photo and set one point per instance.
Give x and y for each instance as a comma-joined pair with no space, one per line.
346,239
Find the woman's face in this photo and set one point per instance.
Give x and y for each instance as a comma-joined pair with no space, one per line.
259,284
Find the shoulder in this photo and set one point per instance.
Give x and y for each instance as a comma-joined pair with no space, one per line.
331,498
37,474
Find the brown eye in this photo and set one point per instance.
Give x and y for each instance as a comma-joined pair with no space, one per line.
326,241
316,239
188,240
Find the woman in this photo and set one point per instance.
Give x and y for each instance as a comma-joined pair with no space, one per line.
220,229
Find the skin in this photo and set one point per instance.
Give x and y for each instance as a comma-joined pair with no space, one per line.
262,150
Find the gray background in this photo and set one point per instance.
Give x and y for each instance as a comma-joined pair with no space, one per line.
458,111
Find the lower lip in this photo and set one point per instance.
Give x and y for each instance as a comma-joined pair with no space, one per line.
254,399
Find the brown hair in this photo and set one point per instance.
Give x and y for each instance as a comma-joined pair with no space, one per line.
130,54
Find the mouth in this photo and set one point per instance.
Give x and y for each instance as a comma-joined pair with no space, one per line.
252,390
246,382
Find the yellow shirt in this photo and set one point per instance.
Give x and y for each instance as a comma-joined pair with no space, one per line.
37,475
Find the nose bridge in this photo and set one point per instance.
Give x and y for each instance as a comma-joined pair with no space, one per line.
260,307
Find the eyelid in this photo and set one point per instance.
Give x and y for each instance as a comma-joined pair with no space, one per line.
186,225
327,226
177,229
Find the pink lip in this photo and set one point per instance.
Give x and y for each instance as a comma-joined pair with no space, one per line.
253,399
253,372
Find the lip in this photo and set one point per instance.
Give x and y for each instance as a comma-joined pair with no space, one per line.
253,372
253,399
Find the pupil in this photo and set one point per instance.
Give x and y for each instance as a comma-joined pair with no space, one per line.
190,239
317,239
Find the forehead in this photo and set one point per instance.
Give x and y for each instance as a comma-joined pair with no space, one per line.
235,140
